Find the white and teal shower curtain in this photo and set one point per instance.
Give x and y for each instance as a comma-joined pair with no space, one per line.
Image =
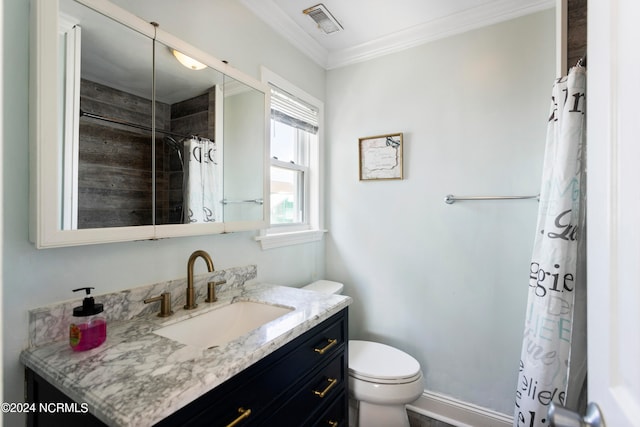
554,354
203,182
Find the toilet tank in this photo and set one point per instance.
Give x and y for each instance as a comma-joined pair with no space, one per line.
325,286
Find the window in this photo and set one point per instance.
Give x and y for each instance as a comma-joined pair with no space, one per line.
294,130
295,134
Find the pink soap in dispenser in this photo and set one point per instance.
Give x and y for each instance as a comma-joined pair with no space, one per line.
88,327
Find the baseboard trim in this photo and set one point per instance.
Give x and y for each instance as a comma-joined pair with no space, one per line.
458,413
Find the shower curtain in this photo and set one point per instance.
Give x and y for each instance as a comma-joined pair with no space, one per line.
202,189
554,354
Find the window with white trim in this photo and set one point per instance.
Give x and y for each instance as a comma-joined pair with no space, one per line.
294,129
295,133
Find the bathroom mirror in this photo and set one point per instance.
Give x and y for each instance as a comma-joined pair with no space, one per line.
107,139
113,173
189,141
243,132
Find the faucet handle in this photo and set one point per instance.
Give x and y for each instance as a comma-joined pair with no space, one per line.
211,290
165,304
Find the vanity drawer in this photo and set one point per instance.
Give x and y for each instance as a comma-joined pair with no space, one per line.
312,397
281,378
337,415
271,382
320,348
301,357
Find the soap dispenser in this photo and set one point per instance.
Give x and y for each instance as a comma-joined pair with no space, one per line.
88,328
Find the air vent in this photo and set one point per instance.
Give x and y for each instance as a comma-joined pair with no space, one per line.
325,20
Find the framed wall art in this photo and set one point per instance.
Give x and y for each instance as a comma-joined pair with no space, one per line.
381,157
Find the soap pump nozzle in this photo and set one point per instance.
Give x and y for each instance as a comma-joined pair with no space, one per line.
89,307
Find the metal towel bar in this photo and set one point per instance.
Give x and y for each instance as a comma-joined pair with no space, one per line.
256,201
450,198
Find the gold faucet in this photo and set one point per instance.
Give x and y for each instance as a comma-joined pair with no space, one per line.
191,297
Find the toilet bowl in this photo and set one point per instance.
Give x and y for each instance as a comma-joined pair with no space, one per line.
382,379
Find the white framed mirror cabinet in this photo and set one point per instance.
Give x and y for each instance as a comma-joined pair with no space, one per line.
129,143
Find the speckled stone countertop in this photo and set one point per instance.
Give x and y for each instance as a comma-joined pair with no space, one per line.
137,378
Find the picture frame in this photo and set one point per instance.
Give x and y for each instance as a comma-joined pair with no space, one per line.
380,157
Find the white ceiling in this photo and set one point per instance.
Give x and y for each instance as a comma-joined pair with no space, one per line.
130,70
374,28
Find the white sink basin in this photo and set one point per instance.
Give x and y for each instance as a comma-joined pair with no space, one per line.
224,324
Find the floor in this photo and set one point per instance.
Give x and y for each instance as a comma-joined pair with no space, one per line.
418,420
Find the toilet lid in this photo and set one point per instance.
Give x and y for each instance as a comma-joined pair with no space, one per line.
379,362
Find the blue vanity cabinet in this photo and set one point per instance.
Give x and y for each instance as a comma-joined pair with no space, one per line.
303,383
39,391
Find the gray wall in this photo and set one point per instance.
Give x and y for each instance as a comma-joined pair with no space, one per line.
446,283
34,278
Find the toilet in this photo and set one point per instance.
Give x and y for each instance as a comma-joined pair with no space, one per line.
382,379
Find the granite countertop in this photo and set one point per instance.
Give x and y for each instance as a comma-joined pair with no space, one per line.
137,378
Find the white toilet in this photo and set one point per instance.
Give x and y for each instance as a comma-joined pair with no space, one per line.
382,379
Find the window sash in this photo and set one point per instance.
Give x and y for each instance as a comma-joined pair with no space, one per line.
300,193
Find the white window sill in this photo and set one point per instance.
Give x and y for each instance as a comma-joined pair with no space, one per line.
279,240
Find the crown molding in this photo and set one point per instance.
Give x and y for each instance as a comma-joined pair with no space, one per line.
470,19
458,23
279,21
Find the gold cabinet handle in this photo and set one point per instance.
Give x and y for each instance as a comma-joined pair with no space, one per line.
244,413
333,423
323,350
323,393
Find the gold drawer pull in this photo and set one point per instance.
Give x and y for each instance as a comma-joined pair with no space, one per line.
244,413
333,423
323,393
326,348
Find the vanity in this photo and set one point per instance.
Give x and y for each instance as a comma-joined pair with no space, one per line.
112,159
289,371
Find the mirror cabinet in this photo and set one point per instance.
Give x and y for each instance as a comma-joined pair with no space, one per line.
136,134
